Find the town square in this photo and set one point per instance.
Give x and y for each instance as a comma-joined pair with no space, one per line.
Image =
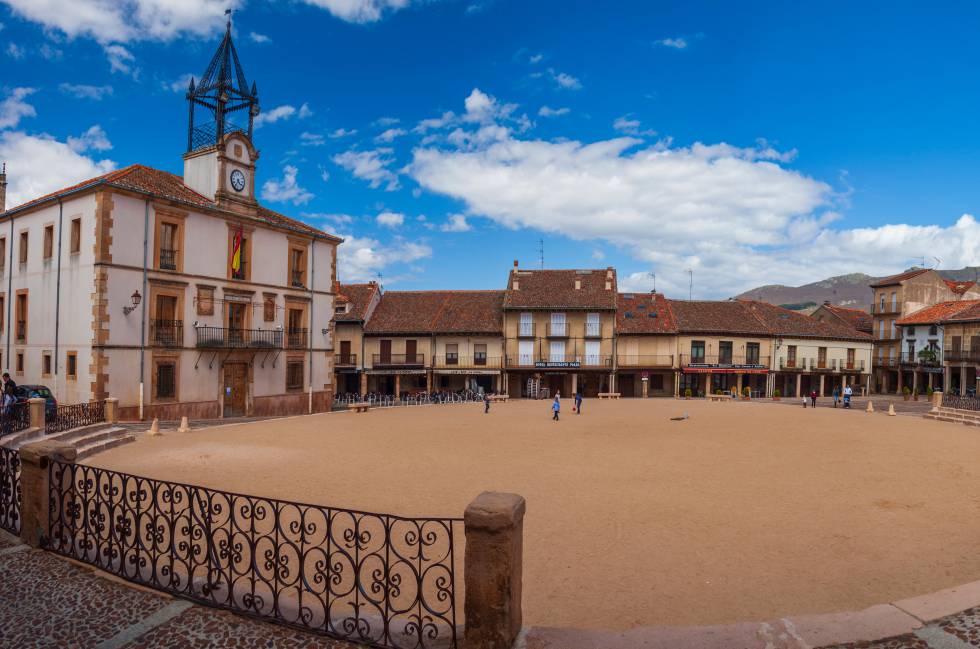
487,324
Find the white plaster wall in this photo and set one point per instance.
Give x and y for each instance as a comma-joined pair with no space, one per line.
201,174
807,349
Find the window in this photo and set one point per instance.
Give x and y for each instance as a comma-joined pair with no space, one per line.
294,376
3,310
892,329
452,354
881,329
20,362
821,357
527,325
48,241
46,364
168,245
558,327
752,353
165,385
71,365
697,351
525,352
881,307
22,258
725,352
3,252
850,358
557,351
593,326
269,308
340,309
295,330
297,266
238,239
933,330
480,354
894,301
205,300
881,354
76,235
791,356
22,316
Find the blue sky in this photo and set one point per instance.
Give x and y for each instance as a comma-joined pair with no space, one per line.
752,143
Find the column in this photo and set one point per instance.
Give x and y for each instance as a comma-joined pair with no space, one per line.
363,383
494,528
947,379
738,384
799,384
915,382
901,384
612,382
574,384
428,381
707,383
398,385
646,387
962,380
677,384
931,375
822,377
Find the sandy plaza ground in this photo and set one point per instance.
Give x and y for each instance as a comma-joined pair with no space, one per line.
744,511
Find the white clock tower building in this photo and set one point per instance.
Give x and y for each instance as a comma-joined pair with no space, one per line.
220,159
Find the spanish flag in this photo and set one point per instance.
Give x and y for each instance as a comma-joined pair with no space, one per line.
236,252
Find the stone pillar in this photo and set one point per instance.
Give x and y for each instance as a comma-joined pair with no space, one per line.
822,377
677,384
363,383
931,379
937,400
428,381
799,384
574,383
901,383
34,484
36,410
962,384
112,410
612,382
494,524
646,386
738,384
398,385
915,382
707,383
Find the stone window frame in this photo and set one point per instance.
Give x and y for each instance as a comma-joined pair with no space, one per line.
69,357
19,365
27,309
293,360
248,233
303,247
75,240
164,358
23,247
177,219
47,249
46,359
267,300
3,253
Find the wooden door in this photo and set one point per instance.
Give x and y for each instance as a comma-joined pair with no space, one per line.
236,323
385,352
345,352
236,389
411,347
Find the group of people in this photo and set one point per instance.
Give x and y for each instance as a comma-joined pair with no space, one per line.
838,396
556,405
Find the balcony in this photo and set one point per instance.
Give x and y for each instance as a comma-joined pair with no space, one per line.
645,360
914,360
234,338
297,338
826,365
792,364
525,330
21,330
962,355
345,360
724,361
558,330
398,360
593,330
888,309
297,280
241,272
168,259
453,361
167,333
567,361
595,361
852,366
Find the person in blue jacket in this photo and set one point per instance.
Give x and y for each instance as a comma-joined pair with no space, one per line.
555,408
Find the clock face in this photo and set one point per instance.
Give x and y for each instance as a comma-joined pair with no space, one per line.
238,180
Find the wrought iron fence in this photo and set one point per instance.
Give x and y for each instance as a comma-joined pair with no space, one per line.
15,419
10,490
75,415
167,333
376,579
961,403
233,337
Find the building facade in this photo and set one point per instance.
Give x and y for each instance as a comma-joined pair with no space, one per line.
646,346
176,295
355,305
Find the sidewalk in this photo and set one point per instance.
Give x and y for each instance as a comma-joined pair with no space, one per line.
50,602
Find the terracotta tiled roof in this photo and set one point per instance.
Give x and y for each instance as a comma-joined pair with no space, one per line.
359,297
940,312
959,287
901,277
644,313
786,323
555,289
146,180
722,316
971,313
855,318
435,312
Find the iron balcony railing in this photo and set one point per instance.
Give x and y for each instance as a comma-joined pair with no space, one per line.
915,359
297,279
234,338
450,360
168,259
725,360
593,330
962,355
645,360
346,360
792,364
587,360
826,365
398,360
167,333
240,273
297,338
887,362
558,330
525,330
877,309
850,366
22,330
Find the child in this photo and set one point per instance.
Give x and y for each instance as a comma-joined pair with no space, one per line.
486,403
804,401
555,407
813,398
836,395
578,402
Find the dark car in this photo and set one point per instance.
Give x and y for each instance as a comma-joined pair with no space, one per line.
25,392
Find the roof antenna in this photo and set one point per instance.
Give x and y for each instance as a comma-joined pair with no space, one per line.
654,276
541,252
228,13
690,288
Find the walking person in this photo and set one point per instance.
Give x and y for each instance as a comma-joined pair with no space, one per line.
555,408
836,395
813,398
578,402
486,403
847,396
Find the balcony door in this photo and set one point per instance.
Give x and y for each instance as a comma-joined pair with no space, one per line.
592,325
166,320
345,352
525,352
592,352
236,322
295,331
558,326
526,325
725,352
386,352
557,351
411,349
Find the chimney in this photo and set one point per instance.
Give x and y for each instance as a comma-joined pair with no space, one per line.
608,285
578,284
515,263
3,187
517,285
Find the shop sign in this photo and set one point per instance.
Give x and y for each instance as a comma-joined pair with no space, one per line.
546,365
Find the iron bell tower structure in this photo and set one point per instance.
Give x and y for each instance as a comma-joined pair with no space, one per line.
220,159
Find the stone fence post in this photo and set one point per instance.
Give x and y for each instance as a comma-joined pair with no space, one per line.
36,410
112,410
35,489
494,525
937,400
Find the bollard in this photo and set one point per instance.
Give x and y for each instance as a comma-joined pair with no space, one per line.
937,400
36,411
184,427
870,408
494,525
891,409
35,507
112,410
154,428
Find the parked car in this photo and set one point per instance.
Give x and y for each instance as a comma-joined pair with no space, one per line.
25,392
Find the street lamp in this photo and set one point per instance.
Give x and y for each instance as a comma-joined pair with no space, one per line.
135,297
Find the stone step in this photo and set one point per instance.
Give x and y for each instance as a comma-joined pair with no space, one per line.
21,437
71,436
104,444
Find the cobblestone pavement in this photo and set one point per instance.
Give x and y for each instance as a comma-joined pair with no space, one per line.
50,602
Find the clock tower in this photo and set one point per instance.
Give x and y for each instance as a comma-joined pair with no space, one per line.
220,158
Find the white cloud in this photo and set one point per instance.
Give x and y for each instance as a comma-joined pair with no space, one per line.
484,109
121,60
15,51
563,80
324,174
94,138
444,120
360,11
361,258
49,52
82,91
336,219
14,108
548,111
385,122
286,189
180,84
390,219
311,139
390,134
304,111
456,223
277,114
677,43
259,38
40,164
626,124
534,59
342,132
371,166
